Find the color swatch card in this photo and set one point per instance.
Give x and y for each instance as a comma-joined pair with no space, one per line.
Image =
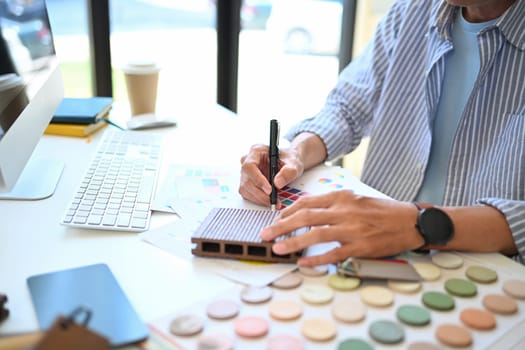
460,303
183,185
385,269
324,179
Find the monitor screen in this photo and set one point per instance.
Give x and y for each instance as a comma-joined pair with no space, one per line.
30,91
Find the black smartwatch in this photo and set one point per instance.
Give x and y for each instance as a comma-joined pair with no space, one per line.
434,225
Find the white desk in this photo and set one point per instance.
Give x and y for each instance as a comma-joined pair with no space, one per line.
156,282
33,241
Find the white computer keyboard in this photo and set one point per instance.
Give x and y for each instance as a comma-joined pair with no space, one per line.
118,187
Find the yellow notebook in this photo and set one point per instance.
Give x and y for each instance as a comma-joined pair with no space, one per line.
78,130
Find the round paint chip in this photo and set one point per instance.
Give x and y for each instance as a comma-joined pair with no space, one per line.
427,271
386,332
319,329
288,281
423,345
343,283
284,342
222,309
354,344
453,335
460,287
315,294
377,296
251,327
215,342
500,304
438,301
313,271
413,315
186,325
481,274
285,310
447,260
515,288
348,311
478,319
404,287
256,295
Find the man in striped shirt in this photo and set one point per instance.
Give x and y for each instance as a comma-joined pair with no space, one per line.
440,90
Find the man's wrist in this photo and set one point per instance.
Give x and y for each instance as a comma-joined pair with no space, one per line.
433,224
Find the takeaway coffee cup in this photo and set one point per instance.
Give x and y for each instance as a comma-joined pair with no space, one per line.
141,82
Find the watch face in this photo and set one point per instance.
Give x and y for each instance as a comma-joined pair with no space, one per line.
435,226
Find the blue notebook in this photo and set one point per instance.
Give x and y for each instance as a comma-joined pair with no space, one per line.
82,110
95,288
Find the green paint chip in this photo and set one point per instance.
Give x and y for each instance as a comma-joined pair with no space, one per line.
413,315
386,332
354,344
461,287
438,301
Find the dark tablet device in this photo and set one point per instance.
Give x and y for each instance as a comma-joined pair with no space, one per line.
95,288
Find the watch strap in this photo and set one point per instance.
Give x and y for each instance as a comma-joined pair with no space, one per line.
421,206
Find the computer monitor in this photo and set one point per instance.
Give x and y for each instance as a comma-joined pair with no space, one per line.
31,89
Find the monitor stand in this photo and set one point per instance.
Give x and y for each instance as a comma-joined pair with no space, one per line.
38,180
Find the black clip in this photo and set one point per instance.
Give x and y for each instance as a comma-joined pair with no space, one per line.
72,318
4,312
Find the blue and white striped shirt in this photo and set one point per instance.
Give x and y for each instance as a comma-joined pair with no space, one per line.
391,93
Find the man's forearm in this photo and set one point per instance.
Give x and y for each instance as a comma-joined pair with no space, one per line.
479,229
310,149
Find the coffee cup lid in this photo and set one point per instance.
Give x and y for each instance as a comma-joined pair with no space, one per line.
140,67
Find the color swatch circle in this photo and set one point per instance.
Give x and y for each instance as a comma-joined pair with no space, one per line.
348,311
186,325
386,332
215,341
460,287
478,319
515,288
289,281
284,342
256,295
413,315
500,304
438,301
285,310
251,327
447,260
319,329
427,271
481,274
354,344
377,296
317,294
222,309
453,335
343,283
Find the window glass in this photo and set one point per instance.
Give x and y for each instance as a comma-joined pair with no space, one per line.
288,57
179,35
70,33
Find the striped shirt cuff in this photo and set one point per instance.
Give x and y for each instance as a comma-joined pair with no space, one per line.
514,212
